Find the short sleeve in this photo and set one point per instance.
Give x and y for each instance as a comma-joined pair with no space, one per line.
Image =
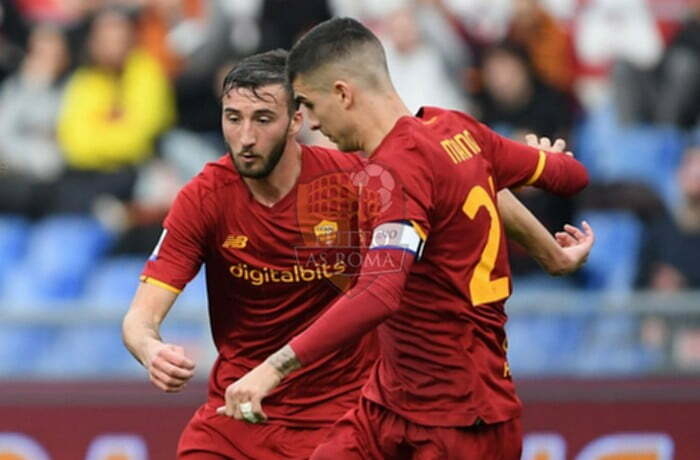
181,249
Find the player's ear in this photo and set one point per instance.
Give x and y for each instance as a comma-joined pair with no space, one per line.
343,92
296,123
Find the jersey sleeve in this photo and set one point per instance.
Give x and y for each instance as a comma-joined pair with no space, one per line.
374,298
516,164
180,251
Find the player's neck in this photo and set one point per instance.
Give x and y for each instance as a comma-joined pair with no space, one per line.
279,183
385,112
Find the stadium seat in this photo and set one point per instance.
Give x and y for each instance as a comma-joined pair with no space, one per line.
644,153
612,347
612,264
21,347
113,284
100,351
540,283
14,232
530,339
62,251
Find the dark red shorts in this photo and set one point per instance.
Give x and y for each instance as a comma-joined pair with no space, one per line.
209,436
373,432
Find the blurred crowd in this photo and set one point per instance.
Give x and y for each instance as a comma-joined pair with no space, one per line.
108,107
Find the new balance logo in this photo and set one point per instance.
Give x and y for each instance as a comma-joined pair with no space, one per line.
235,242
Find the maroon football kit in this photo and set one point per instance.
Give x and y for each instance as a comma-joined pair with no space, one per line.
435,281
270,271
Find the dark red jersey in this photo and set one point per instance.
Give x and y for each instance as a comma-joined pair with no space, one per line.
443,354
442,344
271,271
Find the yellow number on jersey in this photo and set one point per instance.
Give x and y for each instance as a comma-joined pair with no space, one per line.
481,288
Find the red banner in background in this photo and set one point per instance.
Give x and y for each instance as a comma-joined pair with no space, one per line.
564,420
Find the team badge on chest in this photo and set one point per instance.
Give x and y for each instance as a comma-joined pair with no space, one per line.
326,232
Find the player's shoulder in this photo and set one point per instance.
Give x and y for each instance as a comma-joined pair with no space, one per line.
438,120
325,159
214,176
433,126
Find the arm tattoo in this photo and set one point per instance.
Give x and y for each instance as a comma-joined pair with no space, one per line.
284,360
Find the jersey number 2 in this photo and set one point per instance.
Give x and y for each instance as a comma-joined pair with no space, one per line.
482,289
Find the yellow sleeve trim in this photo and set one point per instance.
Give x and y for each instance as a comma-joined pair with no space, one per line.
155,282
538,170
419,230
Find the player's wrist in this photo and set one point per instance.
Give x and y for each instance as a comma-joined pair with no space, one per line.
284,361
150,350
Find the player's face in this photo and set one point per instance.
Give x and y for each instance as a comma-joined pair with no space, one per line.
324,112
256,127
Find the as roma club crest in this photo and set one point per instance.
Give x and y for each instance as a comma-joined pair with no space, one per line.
326,232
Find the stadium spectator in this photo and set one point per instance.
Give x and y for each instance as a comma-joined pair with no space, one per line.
281,24
421,74
114,109
13,37
425,53
671,253
171,30
546,42
621,37
666,89
679,86
514,101
29,105
191,39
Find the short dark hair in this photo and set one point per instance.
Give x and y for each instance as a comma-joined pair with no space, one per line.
331,40
258,70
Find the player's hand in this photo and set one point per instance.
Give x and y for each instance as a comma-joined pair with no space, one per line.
576,246
544,143
244,397
168,367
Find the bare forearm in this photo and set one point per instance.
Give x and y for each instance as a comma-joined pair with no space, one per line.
138,332
525,229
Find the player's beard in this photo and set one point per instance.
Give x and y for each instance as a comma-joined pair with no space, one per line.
268,164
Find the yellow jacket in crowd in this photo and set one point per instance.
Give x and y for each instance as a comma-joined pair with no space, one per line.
108,120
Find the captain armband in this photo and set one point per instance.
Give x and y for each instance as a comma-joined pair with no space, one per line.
404,235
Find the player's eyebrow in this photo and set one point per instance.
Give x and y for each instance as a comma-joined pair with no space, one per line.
264,112
299,99
259,112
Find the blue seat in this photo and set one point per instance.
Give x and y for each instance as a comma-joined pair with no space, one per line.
114,282
612,264
528,352
21,347
612,347
645,153
63,250
540,282
14,233
93,351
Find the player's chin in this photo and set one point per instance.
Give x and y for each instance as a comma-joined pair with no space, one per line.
346,147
